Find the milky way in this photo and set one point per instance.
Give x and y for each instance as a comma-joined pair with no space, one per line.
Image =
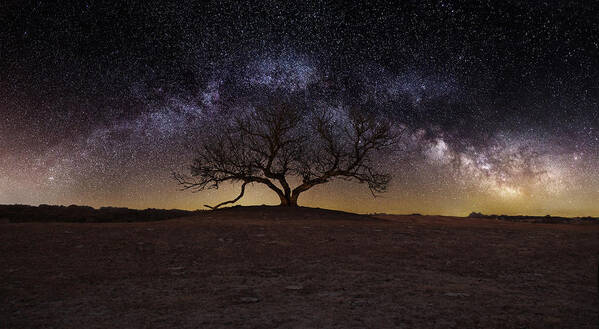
101,102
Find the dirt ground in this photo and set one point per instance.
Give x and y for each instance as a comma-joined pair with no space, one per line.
261,268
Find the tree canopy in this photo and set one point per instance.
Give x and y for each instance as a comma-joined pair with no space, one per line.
273,143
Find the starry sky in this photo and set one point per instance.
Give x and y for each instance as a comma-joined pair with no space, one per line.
100,101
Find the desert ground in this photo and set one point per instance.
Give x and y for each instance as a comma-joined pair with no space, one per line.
304,268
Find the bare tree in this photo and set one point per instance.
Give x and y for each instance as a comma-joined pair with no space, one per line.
272,144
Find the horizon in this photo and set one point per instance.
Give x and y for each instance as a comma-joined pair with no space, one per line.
300,206
101,104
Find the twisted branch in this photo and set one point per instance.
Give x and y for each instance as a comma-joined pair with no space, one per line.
230,201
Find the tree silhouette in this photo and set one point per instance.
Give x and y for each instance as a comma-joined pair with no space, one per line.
283,142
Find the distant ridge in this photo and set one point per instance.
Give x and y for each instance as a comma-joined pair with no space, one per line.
82,214
86,214
533,219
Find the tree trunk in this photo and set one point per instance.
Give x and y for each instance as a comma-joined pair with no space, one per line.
294,197
287,201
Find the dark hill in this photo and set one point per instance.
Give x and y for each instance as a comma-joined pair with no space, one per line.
86,214
282,213
534,219
74,213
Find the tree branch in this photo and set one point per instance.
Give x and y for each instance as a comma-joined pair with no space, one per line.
230,201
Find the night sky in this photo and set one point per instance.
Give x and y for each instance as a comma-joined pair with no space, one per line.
100,101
